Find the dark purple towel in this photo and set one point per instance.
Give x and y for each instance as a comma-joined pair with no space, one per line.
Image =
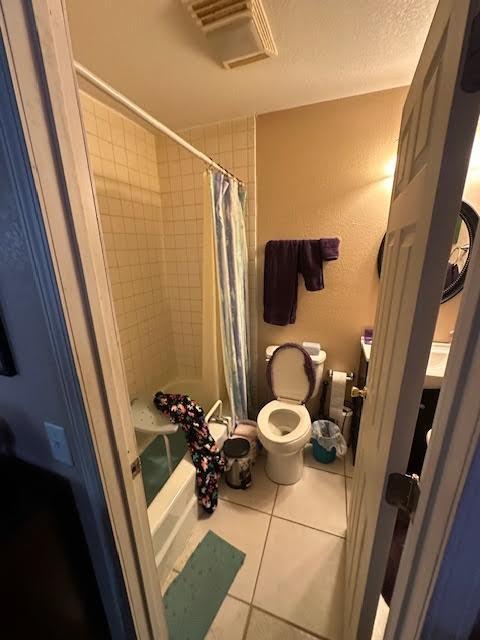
284,259
280,282
311,255
311,264
330,248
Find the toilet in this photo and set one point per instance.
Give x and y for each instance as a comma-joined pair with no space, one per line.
284,425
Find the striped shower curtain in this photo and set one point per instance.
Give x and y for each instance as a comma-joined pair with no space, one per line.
228,208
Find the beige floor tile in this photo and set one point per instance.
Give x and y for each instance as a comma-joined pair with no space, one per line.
265,627
302,578
349,494
317,500
245,529
337,466
349,468
230,621
261,495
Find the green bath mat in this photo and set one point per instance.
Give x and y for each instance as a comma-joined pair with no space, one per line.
193,599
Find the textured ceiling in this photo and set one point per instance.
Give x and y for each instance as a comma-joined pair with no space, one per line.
151,51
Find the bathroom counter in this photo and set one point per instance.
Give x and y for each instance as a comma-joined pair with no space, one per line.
366,348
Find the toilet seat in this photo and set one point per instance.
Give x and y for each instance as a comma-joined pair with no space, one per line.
284,425
290,373
269,429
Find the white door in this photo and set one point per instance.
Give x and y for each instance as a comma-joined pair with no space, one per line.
37,42
438,126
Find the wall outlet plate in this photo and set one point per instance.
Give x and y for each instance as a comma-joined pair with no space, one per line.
58,443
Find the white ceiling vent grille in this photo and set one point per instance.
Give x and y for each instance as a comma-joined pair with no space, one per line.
237,29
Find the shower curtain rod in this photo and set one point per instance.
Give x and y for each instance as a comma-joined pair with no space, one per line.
119,97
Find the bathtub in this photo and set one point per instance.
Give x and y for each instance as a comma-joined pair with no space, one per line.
174,510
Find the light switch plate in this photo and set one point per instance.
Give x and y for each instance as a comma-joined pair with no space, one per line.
58,443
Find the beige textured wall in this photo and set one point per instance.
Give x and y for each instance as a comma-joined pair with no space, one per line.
321,172
124,164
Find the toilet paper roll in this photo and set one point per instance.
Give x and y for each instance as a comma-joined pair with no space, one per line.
337,396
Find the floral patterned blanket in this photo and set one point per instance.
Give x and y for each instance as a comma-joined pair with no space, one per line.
208,460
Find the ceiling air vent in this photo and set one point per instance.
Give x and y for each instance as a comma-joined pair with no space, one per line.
238,30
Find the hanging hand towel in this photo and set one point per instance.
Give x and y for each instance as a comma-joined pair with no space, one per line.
312,253
330,248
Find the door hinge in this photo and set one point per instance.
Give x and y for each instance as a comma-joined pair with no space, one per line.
403,492
136,467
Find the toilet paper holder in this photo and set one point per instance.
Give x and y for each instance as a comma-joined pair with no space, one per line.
350,375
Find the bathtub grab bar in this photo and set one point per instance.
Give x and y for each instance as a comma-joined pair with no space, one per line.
218,405
219,418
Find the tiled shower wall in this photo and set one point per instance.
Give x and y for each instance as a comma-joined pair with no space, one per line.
124,164
232,145
181,188
151,200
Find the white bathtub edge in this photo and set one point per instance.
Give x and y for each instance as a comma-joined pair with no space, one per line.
174,509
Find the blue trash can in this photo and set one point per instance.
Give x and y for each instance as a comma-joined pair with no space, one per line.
327,441
321,454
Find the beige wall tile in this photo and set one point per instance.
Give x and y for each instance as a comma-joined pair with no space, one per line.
150,195
231,144
124,164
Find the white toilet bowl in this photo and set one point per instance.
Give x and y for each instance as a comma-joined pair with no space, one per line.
284,425
284,430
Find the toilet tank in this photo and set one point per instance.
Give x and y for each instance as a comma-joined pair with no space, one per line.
318,361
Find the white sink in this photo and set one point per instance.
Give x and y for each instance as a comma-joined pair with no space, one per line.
437,363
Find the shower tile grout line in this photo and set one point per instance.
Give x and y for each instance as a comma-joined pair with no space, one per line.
335,473
291,624
264,546
308,526
239,504
273,515
245,632
247,622
251,604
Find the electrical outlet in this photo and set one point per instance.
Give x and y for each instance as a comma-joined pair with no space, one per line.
58,443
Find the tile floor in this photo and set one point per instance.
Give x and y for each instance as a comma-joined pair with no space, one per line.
291,584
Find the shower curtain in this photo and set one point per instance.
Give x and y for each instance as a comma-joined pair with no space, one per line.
228,209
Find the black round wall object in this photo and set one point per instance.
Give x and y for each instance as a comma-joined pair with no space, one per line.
467,216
